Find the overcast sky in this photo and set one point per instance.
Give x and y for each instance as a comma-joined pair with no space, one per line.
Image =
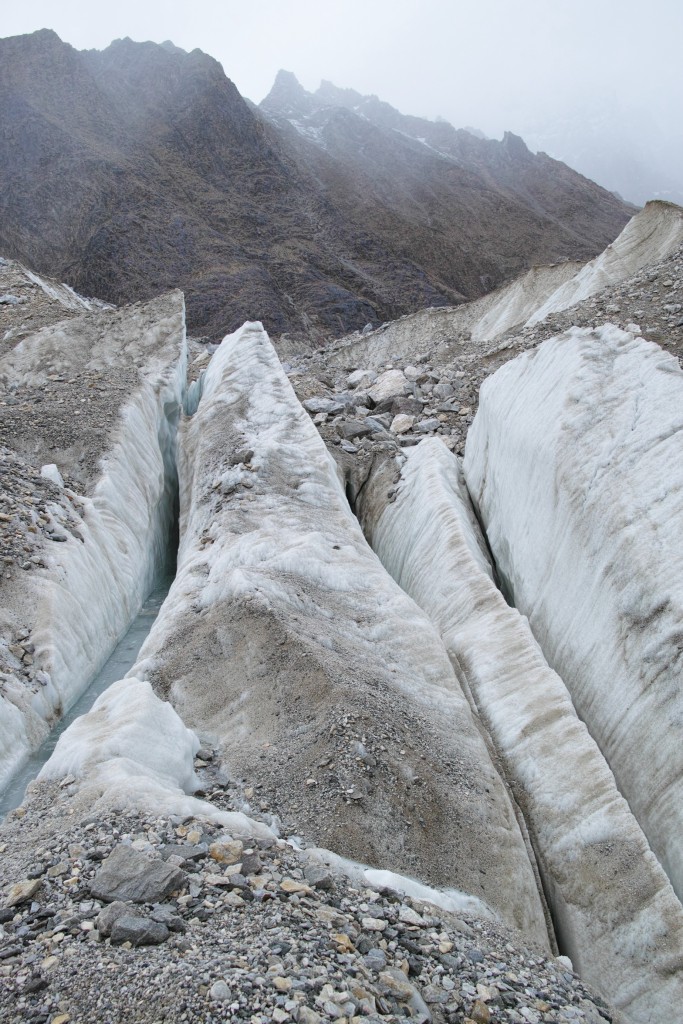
493,64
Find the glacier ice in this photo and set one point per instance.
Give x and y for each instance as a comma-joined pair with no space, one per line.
652,235
574,462
131,750
649,237
614,910
281,628
94,583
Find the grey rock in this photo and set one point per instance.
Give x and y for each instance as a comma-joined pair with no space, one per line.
166,915
375,960
319,877
425,426
409,406
220,992
109,915
127,874
349,429
138,930
184,850
321,404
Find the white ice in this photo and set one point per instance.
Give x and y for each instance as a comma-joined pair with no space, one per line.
648,238
575,461
289,548
132,751
82,603
451,900
614,909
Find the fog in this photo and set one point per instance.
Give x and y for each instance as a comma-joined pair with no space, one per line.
586,80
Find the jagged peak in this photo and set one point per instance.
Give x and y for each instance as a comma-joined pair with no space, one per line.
333,95
286,95
515,145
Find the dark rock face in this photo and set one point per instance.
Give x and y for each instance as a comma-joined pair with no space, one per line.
140,168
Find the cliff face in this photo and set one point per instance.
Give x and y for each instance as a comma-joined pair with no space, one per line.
139,168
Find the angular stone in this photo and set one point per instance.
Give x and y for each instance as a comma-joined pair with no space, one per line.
401,423
409,916
373,924
425,426
186,851
307,1016
109,915
353,428
22,891
139,931
361,379
388,385
318,876
321,404
293,886
127,874
229,851
409,406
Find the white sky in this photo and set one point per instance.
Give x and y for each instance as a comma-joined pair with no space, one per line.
493,64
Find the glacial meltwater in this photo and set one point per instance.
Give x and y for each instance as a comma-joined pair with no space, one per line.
122,658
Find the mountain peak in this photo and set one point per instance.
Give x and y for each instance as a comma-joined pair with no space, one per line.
287,94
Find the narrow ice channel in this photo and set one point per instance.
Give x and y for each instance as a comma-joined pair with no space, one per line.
122,658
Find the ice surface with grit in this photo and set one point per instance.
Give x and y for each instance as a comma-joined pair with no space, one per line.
284,638
574,462
614,909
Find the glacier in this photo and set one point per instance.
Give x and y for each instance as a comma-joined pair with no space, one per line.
282,627
573,462
116,532
459,332
614,910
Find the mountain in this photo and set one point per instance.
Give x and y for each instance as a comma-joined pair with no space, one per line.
140,168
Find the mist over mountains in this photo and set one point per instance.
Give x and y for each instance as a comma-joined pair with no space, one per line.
140,167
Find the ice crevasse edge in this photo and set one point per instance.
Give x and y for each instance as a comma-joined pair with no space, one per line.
575,464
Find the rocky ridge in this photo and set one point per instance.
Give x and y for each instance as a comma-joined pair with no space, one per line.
175,181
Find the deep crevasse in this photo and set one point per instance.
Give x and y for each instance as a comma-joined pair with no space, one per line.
83,602
574,461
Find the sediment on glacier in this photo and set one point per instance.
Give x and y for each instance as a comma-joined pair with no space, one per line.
286,643
95,401
615,912
573,463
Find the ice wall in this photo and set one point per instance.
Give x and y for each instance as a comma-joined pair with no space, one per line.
575,463
132,751
649,237
615,912
325,686
116,535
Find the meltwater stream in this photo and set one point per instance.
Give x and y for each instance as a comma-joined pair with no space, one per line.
122,658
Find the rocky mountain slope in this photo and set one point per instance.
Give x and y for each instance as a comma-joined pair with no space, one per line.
140,168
